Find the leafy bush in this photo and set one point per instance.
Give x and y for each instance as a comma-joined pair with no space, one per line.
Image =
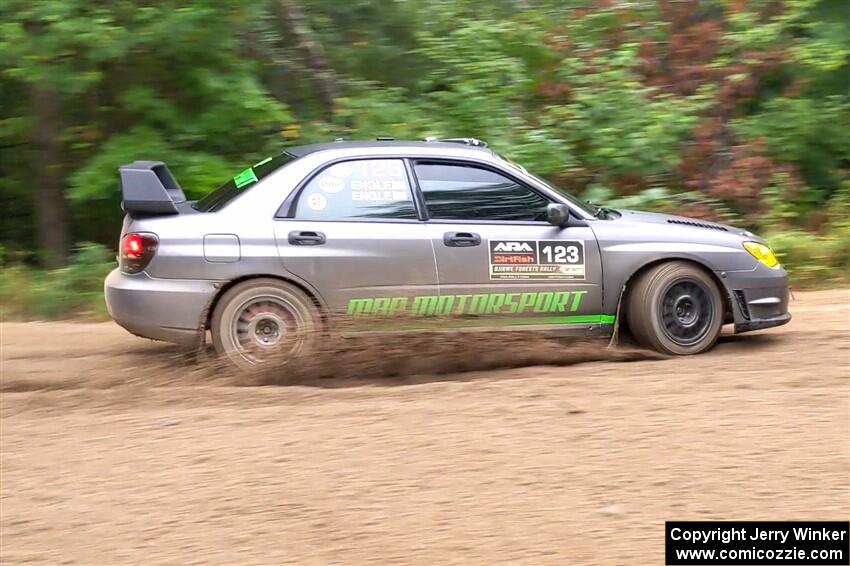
76,290
812,259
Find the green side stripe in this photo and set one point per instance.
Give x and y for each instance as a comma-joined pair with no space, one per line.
264,161
572,319
439,322
531,320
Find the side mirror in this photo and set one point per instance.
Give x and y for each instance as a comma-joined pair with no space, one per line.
558,214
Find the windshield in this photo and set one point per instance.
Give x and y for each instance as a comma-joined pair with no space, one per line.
222,196
590,209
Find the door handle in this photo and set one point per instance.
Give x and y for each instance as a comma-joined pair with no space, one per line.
461,239
307,238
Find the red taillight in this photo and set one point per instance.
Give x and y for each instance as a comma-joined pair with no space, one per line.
137,250
132,244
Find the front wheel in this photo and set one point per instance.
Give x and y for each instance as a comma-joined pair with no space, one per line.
264,319
675,308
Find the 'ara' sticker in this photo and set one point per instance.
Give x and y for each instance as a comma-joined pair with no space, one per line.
331,184
317,201
245,177
537,259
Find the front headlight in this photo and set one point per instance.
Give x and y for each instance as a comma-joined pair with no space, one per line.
762,253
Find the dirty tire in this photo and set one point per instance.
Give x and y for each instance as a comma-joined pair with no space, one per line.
264,319
675,308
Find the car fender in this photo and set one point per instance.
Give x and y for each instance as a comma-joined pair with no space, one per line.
621,260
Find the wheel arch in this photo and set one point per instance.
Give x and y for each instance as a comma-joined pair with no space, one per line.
644,268
309,291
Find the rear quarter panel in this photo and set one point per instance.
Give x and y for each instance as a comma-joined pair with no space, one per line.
249,219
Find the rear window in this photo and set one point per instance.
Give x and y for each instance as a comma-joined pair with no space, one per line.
362,188
222,196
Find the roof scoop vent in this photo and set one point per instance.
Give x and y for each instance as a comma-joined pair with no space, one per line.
697,224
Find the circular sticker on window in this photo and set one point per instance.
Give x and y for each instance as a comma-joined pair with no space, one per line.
317,201
340,170
331,184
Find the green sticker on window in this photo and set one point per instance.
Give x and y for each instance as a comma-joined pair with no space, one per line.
245,177
263,162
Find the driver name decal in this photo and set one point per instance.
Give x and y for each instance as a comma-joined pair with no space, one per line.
537,259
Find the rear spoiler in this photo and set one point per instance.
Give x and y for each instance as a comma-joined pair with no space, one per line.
148,187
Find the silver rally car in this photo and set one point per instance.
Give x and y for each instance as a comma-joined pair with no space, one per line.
439,230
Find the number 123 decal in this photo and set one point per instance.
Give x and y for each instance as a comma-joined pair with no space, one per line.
537,259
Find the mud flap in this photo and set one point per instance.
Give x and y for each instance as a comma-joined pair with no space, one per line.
615,335
199,351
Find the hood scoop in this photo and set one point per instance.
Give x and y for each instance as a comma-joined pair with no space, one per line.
697,224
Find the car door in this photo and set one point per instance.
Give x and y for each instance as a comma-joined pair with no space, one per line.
354,235
497,256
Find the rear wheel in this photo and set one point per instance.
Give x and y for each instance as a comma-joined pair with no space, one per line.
675,308
264,319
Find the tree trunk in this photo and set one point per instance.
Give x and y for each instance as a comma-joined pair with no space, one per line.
51,209
294,22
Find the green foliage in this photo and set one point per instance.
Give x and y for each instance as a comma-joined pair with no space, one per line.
198,172
814,260
818,259
736,111
374,111
133,81
622,128
27,293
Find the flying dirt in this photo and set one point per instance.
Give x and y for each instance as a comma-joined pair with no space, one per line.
116,450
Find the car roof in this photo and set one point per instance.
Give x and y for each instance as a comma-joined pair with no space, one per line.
302,150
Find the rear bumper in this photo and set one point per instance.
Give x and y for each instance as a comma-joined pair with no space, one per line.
172,310
759,298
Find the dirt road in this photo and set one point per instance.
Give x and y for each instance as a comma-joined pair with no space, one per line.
578,464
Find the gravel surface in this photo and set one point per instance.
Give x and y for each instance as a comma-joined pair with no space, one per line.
114,450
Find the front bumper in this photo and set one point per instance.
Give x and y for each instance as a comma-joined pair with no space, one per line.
764,323
172,310
759,297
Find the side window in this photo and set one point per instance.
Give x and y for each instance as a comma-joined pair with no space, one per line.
363,188
463,192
